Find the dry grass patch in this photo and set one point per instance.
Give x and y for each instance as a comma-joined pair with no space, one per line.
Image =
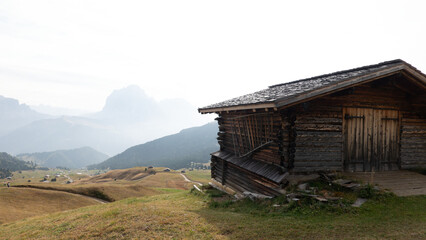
184,215
144,218
19,203
113,190
166,180
130,174
106,191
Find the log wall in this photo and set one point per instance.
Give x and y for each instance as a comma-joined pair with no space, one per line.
270,153
309,137
240,179
413,137
320,139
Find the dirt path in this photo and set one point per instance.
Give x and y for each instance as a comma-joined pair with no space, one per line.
188,180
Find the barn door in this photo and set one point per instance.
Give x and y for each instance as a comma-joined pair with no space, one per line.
370,139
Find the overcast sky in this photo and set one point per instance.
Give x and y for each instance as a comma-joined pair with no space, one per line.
73,54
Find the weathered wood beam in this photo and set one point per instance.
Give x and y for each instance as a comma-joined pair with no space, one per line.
237,108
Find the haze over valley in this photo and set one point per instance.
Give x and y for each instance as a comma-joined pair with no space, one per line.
129,117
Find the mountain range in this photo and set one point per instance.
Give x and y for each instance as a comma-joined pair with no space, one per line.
174,151
14,115
9,164
74,158
129,117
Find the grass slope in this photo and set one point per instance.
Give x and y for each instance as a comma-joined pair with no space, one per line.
201,176
19,203
174,151
184,215
118,184
37,198
130,174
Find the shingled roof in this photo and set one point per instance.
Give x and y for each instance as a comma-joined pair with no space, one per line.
292,92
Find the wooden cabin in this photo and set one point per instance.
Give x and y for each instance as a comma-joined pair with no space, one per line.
366,119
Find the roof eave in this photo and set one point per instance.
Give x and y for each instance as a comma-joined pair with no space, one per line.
238,108
419,77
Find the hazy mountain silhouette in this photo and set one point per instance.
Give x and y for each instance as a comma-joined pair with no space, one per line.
62,133
14,115
174,151
129,105
129,117
141,118
58,111
73,158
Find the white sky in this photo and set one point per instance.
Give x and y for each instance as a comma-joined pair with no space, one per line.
73,54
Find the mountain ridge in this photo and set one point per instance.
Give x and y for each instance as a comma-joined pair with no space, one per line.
174,151
15,115
9,164
70,158
129,117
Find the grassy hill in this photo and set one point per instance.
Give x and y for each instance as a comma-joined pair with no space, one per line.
184,215
111,186
73,158
27,199
18,203
170,211
174,151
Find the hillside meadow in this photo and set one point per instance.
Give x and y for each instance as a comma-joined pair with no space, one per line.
185,215
27,199
17,203
172,211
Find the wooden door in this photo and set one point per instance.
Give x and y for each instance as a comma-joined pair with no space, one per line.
371,139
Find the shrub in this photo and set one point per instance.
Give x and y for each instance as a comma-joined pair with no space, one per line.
367,192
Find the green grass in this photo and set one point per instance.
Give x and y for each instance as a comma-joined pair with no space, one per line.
176,213
169,190
185,215
202,176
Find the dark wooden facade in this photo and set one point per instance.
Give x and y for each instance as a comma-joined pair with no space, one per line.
377,124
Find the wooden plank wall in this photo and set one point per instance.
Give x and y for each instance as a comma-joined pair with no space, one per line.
318,145
413,138
270,153
319,137
240,179
319,142
371,139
